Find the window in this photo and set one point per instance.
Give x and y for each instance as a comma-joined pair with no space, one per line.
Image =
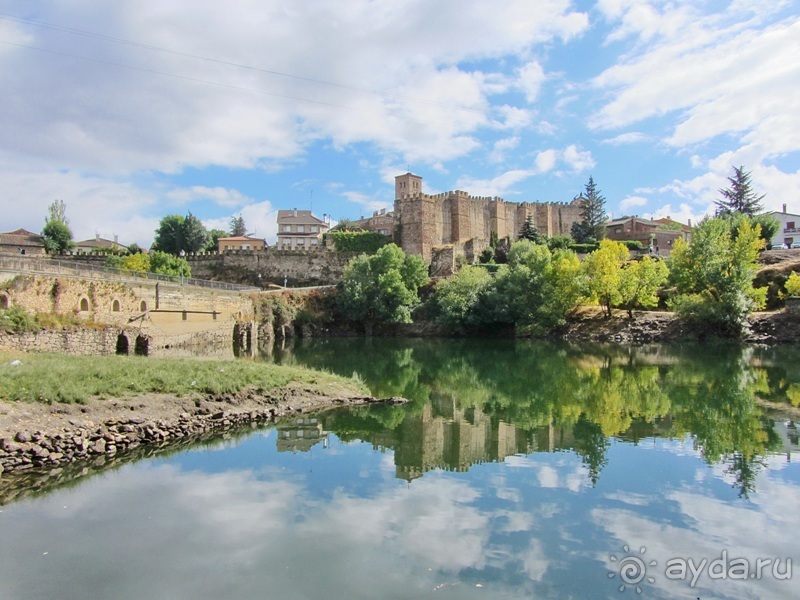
287,227
301,229
313,229
300,242
115,306
84,305
790,225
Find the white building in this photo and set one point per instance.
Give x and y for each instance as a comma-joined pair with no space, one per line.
789,231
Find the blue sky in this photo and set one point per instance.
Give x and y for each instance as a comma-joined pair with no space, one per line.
129,111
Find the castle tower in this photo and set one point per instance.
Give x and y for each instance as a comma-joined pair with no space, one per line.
407,185
414,215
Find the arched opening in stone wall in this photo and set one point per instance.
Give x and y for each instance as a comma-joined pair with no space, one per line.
142,346
122,344
4,302
143,306
115,305
84,305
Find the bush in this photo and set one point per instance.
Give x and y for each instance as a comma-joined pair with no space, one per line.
16,319
584,248
793,284
368,242
634,245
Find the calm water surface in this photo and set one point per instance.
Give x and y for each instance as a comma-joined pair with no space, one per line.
519,470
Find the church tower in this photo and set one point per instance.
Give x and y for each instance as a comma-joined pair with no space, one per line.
407,185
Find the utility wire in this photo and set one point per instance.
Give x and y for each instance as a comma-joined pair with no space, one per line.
135,44
216,83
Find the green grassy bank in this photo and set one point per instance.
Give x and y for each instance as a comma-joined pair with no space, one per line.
58,378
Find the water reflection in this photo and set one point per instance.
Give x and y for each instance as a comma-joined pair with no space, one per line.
477,401
517,471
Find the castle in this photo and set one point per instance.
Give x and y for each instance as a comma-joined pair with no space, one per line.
464,223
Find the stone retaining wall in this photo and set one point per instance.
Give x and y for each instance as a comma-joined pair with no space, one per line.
84,342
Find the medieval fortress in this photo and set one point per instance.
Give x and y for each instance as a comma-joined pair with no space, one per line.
464,223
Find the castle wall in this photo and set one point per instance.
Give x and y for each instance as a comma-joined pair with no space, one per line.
454,218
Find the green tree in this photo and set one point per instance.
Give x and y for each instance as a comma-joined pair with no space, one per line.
382,287
237,226
714,274
769,226
640,281
176,233
195,235
603,269
56,231
169,235
538,288
212,244
530,232
169,264
593,215
739,196
461,301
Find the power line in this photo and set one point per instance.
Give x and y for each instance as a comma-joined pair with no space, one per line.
216,83
135,44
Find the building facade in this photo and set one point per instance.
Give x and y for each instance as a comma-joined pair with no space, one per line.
380,222
300,230
658,235
789,231
22,242
98,244
466,222
240,242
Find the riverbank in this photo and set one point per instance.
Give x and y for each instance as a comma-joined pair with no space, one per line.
40,435
590,324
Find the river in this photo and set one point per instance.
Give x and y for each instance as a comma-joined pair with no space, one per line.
518,470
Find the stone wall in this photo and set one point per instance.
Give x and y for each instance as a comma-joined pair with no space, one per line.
101,301
455,218
260,267
161,314
84,342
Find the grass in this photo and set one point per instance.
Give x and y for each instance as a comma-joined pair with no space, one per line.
57,378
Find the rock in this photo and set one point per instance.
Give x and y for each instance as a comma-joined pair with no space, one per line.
99,447
23,437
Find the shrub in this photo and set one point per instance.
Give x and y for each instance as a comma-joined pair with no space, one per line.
793,284
584,248
16,319
368,242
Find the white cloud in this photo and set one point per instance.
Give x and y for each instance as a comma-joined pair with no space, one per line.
171,108
546,160
498,186
723,73
634,137
501,147
261,219
531,78
632,201
94,205
578,160
219,195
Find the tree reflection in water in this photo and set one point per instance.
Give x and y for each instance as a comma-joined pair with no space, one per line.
481,400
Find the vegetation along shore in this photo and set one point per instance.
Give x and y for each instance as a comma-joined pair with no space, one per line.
61,409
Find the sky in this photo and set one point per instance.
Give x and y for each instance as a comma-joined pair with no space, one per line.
131,111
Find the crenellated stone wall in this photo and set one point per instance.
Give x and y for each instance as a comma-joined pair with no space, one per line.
271,265
425,221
